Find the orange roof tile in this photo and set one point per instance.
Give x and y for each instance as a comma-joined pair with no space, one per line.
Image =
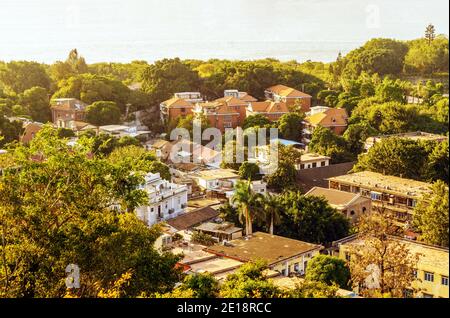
286,91
269,107
329,117
248,98
176,102
231,101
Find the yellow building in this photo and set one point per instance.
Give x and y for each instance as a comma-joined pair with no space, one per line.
432,267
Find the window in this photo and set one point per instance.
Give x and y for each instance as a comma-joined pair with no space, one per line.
415,273
183,110
347,257
364,210
444,280
429,277
323,163
296,267
375,196
314,165
352,212
345,188
400,200
302,166
411,203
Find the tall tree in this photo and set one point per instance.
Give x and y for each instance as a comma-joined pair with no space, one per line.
103,113
58,209
270,211
327,143
329,270
430,33
431,216
290,126
19,76
163,78
244,199
36,102
249,171
310,219
380,264
394,156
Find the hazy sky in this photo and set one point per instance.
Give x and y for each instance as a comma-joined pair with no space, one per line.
43,29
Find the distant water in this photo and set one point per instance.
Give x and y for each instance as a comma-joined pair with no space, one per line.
151,51
126,30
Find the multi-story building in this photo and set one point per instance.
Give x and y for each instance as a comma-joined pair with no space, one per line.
166,200
180,105
335,119
222,113
288,95
67,110
431,271
312,160
388,193
352,205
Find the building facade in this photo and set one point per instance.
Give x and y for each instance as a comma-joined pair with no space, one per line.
387,193
166,200
290,96
352,205
335,119
67,110
431,271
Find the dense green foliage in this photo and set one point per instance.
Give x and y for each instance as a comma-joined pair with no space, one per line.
431,216
423,160
249,282
58,209
290,126
103,113
310,219
327,143
18,76
249,171
329,270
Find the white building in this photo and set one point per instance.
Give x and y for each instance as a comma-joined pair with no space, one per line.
216,179
166,200
307,160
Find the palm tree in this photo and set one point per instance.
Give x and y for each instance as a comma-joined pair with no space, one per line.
270,211
245,200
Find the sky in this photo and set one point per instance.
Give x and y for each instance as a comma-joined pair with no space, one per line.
46,30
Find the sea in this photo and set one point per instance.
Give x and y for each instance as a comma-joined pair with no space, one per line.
127,30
